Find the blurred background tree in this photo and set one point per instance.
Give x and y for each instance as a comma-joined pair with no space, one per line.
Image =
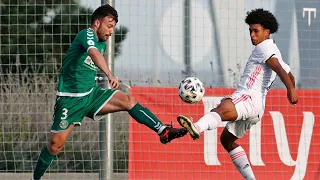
35,35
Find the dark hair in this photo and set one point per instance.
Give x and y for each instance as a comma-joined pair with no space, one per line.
103,11
265,18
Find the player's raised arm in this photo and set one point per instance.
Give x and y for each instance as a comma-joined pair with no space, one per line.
274,64
100,62
91,44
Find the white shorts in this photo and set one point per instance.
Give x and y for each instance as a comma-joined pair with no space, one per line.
249,113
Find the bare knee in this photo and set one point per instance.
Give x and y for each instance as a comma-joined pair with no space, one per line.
54,147
222,111
226,110
130,101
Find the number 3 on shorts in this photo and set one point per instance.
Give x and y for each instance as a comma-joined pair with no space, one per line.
63,122
64,113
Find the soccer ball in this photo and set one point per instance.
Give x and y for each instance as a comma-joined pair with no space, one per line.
191,90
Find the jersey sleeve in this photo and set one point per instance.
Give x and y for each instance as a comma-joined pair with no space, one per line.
264,52
285,66
87,39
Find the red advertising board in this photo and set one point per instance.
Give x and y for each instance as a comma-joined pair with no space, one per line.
284,145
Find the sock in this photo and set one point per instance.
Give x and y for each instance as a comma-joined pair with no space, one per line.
240,160
145,116
44,161
209,121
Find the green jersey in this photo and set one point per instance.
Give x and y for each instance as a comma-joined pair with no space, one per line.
78,72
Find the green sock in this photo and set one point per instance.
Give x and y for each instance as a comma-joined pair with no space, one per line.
145,116
44,161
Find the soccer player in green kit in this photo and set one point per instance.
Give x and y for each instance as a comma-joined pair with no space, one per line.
78,96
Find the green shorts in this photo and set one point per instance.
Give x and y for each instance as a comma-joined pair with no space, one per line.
72,110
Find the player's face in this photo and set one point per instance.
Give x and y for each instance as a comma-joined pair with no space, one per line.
258,33
105,28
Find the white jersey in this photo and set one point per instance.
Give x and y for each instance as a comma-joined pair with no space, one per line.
257,76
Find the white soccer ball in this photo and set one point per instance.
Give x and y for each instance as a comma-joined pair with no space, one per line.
191,90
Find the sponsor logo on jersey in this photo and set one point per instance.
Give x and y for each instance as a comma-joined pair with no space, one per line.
90,64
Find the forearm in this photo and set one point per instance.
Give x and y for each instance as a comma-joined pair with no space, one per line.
287,81
100,62
292,79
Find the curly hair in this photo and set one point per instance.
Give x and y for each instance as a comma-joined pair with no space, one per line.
265,18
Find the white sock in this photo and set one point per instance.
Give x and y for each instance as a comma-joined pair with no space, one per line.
209,121
240,160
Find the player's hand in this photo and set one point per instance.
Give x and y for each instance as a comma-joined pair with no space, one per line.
113,82
292,96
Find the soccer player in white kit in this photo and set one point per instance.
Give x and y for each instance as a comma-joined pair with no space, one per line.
245,107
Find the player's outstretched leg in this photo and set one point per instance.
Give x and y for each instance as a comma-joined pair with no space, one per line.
120,101
56,142
166,132
210,120
188,124
237,154
226,111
